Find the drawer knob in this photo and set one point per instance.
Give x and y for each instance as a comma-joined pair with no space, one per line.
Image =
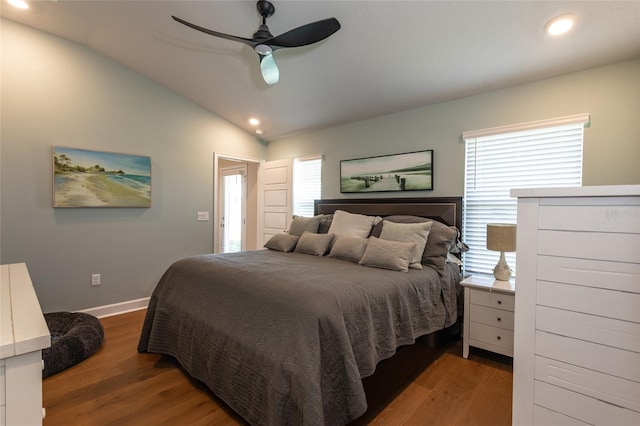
499,319
499,302
499,338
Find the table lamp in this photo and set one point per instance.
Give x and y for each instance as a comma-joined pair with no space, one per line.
501,237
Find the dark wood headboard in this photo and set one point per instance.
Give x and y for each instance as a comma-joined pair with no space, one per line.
447,210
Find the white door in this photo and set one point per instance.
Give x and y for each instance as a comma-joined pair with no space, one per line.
232,218
275,194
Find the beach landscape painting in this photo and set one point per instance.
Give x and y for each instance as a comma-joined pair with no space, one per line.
86,178
411,171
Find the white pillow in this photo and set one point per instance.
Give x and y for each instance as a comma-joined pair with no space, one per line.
346,224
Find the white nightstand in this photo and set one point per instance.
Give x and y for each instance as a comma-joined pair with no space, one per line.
488,314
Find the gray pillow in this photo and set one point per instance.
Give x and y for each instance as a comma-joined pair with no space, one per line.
282,242
325,223
441,238
408,233
311,243
387,254
349,248
299,224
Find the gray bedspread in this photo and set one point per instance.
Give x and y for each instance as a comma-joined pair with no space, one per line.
285,338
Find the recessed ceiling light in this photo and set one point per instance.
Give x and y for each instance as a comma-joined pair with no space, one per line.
20,4
560,24
259,131
254,121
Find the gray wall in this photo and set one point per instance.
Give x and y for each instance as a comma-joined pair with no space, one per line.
610,94
56,92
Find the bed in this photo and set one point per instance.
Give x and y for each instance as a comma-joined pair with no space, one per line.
288,337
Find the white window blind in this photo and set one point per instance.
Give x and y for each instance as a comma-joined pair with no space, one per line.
307,184
535,158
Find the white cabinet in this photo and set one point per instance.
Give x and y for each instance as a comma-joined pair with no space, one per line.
23,335
577,313
488,314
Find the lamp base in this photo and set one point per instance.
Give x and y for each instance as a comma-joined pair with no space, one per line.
502,272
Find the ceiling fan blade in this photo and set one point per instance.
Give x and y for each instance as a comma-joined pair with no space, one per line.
247,41
306,34
270,72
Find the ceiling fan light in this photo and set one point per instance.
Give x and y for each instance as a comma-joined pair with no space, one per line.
270,72
263,49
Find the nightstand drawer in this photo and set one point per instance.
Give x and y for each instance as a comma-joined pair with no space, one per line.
492,335
493,299
491,316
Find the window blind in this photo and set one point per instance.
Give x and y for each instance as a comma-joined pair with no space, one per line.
535,158
307,184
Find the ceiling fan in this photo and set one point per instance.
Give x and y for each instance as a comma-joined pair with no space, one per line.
265,44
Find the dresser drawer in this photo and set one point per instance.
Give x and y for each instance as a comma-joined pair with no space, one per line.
590,245
604,387
602,358
493,299
491,316
492,335
590,273
589,300
544,416
2,385
591,328
591,218
581,407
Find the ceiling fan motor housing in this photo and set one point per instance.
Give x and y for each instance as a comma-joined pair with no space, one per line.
263,33
265,8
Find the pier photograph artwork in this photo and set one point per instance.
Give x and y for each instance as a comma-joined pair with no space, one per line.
411,171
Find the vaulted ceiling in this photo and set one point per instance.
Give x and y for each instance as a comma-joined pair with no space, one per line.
388,56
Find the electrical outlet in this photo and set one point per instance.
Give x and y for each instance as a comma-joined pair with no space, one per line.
95,279
203,216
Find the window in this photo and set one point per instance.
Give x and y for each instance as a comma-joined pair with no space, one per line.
232,190
532,155
307,184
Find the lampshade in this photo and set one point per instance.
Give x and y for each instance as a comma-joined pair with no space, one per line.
501,237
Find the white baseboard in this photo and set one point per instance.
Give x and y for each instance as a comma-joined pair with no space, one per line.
117,308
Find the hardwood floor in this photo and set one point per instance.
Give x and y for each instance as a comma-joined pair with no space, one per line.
119,386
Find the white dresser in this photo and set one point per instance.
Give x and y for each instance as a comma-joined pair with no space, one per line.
577,313
23,335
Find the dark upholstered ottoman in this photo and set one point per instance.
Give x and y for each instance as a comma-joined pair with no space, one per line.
74,338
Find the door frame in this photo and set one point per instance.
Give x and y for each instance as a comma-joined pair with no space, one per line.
251,215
